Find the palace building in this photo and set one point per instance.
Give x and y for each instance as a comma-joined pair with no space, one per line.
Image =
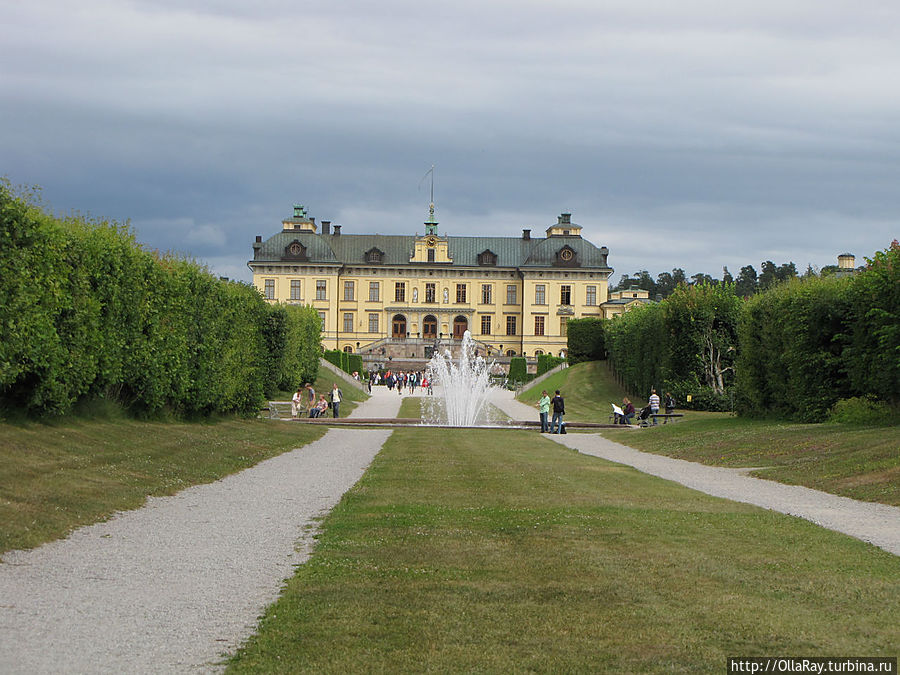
405,295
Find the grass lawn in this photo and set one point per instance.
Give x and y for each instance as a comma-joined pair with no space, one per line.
56,477
464,551
854,461
858,462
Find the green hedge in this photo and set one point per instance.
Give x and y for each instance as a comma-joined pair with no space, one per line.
685,345
585,340
518,369
808,344
547,362
85,312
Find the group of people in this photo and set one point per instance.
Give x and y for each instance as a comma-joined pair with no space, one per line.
651,410
556,424
316,407
404,380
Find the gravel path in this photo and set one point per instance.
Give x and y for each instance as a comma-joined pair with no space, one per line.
877,524
173,586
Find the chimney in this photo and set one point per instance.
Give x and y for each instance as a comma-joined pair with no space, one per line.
259,239
337,230
526,234
326,227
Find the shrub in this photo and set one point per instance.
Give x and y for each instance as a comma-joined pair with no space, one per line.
863,410
518,369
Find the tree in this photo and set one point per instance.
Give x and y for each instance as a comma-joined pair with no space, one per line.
665,284
746,283
768,275
786,271
678,276
726,276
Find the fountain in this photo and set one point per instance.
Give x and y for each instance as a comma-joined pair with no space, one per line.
461,389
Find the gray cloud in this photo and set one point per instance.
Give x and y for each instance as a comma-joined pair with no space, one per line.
693,135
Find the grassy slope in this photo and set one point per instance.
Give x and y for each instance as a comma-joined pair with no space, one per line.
467,551
588,389
858,462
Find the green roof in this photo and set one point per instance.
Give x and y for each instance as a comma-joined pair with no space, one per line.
464,251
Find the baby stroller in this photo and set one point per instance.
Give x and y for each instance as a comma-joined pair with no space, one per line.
644,416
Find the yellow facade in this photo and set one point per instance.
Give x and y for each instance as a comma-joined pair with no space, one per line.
409,294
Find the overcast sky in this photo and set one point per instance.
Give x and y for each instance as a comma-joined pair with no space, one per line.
693,134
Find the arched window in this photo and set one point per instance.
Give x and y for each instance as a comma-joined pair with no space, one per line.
510,352
538,352
348,349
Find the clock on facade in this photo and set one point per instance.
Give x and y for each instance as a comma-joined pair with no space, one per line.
566,254
431,241
295,248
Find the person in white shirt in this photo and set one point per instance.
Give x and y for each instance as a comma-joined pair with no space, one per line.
336,398
296,400
653,401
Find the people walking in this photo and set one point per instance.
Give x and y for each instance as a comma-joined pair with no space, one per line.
559,409
544,409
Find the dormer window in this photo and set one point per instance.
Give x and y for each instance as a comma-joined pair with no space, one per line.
374,255
487,257
567,257
295,251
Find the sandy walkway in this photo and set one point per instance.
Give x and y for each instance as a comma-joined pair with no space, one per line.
878,524
174,585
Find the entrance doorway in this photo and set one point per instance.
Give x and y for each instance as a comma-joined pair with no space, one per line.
429,327
460,326
398,326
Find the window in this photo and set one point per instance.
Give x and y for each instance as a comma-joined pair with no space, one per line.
510,352
511,295
565,295
590,295
295,289
429,293
460,293
348,322
538,325
486,324
373,323
348,349
400,291
563,325
270,289
538,352
374,291
540,294
349,290
322,320
486,294
320,289
431,255
510,325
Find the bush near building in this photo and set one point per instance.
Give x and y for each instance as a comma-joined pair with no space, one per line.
586,340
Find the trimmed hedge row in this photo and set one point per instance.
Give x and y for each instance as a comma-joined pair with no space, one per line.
585,340
349,363
808,344
85,312
684,345
792,352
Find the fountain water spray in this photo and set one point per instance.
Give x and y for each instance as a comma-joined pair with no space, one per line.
463,387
